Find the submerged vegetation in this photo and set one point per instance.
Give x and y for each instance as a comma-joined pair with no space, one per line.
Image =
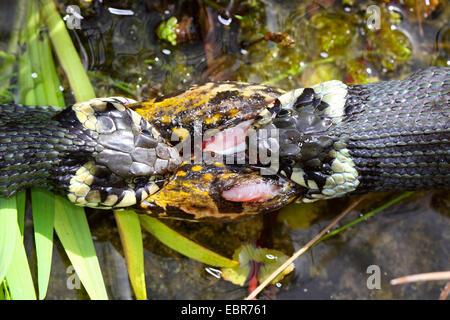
165,46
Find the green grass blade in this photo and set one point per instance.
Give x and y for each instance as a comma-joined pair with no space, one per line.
13,257
18,276
131,237
20,199
4,287
4,293
8,233
183,245
73,231
53,94
43,202
33,25
66,52
25,81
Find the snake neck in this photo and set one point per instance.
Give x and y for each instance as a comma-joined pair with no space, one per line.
37,150
397,132
394,135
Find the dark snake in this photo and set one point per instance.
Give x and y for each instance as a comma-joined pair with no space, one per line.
324,142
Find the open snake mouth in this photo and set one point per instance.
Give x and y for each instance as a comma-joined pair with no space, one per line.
224,185
252,192
228,141
234,141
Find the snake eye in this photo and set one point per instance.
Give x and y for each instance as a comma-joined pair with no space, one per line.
146,132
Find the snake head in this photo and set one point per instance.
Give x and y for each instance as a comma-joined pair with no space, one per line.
310,152
219,192
126,157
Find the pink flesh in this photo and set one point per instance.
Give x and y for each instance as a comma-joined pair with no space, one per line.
226,141
251,192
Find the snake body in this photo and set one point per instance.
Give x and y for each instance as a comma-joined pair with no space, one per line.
328,140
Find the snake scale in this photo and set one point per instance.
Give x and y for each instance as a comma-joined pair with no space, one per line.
223,151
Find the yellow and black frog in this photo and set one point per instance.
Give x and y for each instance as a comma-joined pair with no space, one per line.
210,126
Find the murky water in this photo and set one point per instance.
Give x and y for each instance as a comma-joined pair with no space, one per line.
125,57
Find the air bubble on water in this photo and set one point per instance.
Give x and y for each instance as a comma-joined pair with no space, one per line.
149,67
166,51
324,55
121,12
214,272
243,51
224,21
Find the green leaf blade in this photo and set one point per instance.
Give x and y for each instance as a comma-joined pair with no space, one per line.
43,202
67,54
131,237
8,232
73,231
18,273
183,245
